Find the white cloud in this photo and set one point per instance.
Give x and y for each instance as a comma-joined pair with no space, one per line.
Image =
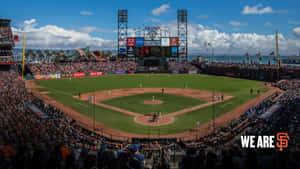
28,22
90,29
54,37
235,43
296,31
86,13
236,23
260,9
161,9
268,24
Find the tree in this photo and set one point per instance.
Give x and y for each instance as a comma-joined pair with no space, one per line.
28,53
40,54
48,54
33,54
62,52
109,53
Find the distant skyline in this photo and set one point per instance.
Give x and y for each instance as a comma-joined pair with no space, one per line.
232,27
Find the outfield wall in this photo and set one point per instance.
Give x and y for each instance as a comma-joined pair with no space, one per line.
97,74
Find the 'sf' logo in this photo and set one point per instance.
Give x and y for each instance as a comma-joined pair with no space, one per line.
282,140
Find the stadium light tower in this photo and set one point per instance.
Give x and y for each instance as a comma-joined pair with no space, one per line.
182,33
122,32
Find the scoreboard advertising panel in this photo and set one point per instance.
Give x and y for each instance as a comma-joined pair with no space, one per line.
165,42
130,41
139,42
173,41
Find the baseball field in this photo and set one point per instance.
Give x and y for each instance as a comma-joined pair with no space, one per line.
124,102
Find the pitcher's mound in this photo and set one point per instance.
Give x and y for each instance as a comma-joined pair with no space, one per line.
153,102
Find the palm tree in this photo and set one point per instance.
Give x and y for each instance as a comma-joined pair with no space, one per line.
62,52
48,54
40,54
33,54
28,53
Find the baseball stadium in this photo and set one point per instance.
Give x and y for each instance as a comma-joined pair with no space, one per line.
146,105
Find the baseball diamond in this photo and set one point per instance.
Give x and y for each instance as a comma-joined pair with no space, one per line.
114,96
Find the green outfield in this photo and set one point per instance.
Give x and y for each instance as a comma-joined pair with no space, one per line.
62,90
171,103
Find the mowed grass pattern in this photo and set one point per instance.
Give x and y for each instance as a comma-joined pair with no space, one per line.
63,89
171,103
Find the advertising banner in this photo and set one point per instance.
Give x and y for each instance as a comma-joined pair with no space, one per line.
46,77
58,76
67,75
139,41
37,77
96,73
82,74
152,43
53,76
122,50
130,41
131,72
174,51
165,42
173,41
120,72
130,51
192,71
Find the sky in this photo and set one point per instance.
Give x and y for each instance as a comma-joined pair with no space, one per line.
231,27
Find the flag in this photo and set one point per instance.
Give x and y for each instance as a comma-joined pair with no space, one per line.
272,53
16,38
258,54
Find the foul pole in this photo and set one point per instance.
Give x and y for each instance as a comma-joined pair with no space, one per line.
23,57
277,53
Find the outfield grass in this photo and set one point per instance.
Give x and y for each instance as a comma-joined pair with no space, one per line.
171,103
63,89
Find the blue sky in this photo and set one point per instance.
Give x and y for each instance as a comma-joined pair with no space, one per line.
216,18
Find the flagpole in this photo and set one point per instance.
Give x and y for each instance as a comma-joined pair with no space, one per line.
277,52
23,57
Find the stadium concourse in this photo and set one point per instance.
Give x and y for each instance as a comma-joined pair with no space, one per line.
29,139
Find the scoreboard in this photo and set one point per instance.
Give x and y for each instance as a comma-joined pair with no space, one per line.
162,47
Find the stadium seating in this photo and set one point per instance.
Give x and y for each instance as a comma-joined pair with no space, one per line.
29,140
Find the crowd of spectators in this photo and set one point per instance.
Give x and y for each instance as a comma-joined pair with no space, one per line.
223,148
74,67
266,72
29,141
181,66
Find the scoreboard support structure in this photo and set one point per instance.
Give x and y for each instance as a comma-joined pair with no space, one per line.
122,31
182,33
